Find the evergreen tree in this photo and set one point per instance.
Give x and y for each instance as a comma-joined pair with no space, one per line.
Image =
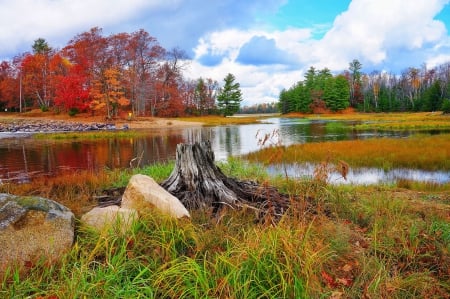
230,96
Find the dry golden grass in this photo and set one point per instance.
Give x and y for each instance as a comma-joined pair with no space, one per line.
72,189
422,152
392,121
214,120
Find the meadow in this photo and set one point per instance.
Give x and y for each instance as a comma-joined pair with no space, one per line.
375,241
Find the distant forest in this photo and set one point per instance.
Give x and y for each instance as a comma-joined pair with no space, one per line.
105,75
415,89
259,108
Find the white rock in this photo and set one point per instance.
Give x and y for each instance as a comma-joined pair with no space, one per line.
103,218
143,192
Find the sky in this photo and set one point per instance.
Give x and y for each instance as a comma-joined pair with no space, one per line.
267,45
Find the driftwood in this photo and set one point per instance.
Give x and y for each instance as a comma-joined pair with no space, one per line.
109,197
198,183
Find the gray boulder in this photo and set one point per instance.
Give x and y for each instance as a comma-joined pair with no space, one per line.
31,229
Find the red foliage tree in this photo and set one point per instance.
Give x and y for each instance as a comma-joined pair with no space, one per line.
72,91
9,86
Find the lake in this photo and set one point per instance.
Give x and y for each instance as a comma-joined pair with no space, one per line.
23,158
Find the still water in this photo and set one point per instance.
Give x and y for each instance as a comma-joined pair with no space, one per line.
23,158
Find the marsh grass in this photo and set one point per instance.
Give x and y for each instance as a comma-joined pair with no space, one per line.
364,242
386,121
213,120
418,152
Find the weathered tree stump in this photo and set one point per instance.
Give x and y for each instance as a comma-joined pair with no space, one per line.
198,183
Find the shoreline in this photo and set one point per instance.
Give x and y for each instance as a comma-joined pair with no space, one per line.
8,119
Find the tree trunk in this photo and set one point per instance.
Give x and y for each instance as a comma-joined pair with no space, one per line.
198,183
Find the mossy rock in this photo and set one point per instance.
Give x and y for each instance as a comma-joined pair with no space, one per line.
32,229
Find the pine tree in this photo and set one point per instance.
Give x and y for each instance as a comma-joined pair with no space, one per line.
230,96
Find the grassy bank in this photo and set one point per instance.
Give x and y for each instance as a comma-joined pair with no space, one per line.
393,121
371,242
421,152
214,120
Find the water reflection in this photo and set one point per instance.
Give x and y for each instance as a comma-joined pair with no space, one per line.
22,159
363,176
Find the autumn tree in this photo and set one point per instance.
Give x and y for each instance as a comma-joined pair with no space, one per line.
108,93
72,91
37,75
205,95
355,83
9,86
142,64
168,100
89,51
230,97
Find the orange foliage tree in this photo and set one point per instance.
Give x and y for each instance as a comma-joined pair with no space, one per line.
108,93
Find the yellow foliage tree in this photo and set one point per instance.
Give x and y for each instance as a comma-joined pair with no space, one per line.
107,93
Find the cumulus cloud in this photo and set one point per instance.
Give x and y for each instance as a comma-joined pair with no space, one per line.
23,21
371,30
260,50
174,23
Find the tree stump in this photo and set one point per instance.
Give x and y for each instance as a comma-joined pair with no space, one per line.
199,184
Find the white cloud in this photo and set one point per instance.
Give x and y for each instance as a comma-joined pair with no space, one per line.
368,30
23,21
437,60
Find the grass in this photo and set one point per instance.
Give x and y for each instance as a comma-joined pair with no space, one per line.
214,120
371,241
392,121
419,152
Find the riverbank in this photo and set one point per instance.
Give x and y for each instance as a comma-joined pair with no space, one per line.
46,121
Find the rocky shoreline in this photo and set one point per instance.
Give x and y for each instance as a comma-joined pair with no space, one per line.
47,126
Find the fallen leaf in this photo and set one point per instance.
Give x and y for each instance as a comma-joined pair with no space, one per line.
347,268
345,281
336,295
328,279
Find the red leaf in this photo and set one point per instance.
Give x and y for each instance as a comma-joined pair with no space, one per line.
345,281
328,279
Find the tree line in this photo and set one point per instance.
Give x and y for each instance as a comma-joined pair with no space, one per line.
109,75
415,89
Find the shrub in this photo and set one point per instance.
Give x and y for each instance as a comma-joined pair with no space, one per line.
73,111
446,106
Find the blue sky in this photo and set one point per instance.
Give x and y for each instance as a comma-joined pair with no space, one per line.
267,44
